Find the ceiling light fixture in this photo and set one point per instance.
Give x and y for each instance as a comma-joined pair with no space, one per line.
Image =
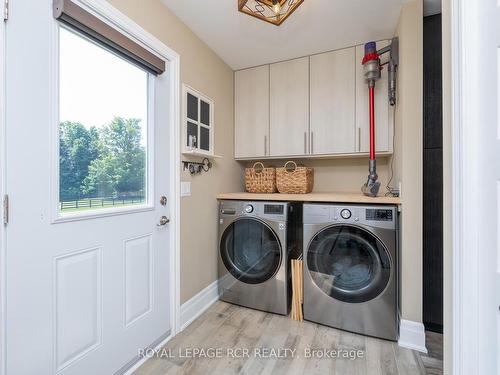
272,11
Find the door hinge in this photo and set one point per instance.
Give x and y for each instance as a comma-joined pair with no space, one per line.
5,10
5,209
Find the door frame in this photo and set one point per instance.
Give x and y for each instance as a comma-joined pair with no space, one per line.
117,20
3,242
465,211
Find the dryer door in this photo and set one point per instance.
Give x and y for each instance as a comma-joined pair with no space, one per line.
250,250
348,263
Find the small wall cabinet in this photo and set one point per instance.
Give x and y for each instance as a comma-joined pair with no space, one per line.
198,123
251,101
314,106
289,112
333,102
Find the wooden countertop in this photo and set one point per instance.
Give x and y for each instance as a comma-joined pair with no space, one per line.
312,197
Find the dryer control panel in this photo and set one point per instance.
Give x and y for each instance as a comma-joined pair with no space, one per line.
375,216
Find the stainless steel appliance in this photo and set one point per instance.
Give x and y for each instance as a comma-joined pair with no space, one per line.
351,268
257,240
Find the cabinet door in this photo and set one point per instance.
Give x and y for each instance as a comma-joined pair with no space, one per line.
333,77
251,133
383,128
289,112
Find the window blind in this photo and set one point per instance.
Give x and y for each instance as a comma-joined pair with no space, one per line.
77,18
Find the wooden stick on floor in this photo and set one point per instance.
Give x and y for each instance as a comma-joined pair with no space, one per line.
297,290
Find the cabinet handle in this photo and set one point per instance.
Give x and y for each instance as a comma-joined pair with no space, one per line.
359,139
265,145
305,143
312,142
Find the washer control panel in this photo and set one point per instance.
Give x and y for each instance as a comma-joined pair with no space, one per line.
276,211
347,214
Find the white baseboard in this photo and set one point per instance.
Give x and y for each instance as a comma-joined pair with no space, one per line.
194,307
412,335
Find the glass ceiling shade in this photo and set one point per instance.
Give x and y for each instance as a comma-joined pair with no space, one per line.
272,11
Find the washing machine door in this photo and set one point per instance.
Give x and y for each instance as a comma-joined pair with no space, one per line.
250,250
348,263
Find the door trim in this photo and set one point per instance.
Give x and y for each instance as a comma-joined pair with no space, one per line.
3,322
118,20
465,190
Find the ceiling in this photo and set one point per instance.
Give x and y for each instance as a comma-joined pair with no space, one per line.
316,26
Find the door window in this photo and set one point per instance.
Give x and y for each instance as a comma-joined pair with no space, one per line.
103,126
348,263
250,251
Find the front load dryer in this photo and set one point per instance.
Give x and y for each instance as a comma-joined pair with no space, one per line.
351,268
257,240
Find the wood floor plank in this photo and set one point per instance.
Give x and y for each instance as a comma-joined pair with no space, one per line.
407,362
273,337
249,327
324,338
226,326
304,334
351,342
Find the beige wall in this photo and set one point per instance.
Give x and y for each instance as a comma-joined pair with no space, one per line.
342,174
447,191
203,70
408,156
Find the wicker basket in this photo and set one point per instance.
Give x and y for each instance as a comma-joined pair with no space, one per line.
291,179
259,179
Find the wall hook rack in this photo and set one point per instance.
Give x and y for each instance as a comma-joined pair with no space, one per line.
196,167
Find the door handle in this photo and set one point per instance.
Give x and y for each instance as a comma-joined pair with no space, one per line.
163,200
163,221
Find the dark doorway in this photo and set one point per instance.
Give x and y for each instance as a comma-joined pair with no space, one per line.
433,176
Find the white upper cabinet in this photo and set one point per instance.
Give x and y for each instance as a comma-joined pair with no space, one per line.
314,106
383,131
251,133
289,108
333,102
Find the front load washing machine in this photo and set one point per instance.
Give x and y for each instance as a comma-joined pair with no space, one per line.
257,240
351,268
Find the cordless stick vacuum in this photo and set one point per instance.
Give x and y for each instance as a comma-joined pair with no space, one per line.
372,72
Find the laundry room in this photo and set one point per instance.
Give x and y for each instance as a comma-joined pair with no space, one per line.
234,187
304,161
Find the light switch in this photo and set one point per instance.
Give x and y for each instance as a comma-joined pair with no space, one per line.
185,189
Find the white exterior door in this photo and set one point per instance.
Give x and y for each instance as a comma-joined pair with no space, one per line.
87,272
